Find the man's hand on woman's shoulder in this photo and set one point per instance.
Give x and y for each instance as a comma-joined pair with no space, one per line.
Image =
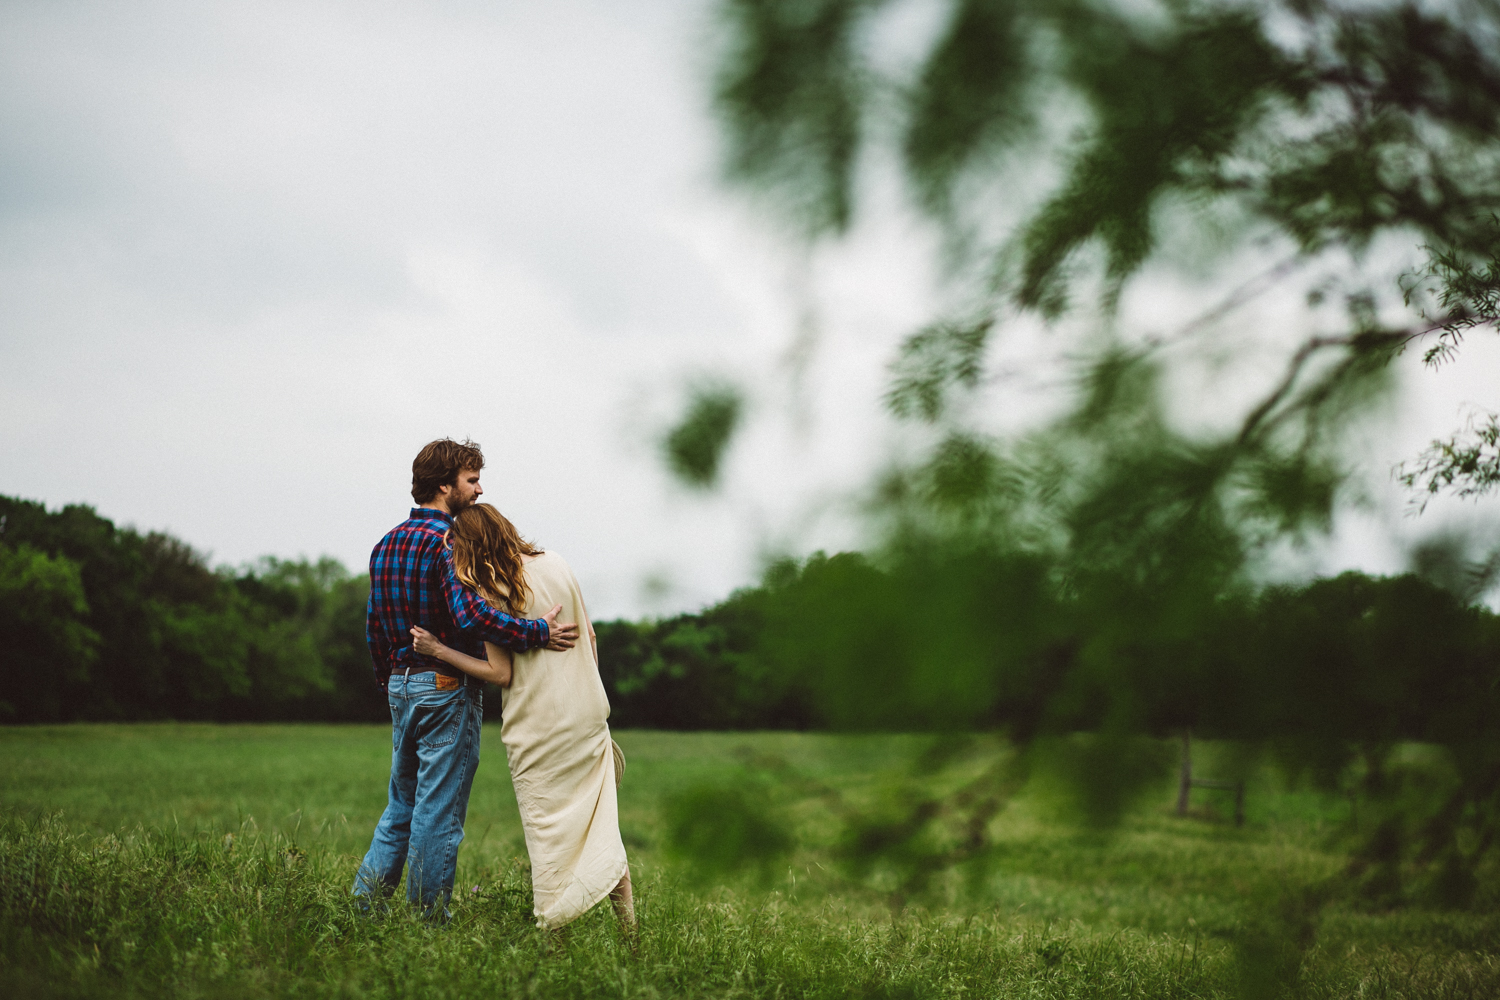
560,636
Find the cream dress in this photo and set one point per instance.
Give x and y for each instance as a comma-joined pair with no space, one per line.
555,727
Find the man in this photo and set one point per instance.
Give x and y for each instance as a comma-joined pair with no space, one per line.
435,709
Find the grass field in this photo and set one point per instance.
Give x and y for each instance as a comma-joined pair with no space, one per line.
212,861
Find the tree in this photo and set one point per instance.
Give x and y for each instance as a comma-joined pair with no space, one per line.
1098,574
109,623
44,630
1322,127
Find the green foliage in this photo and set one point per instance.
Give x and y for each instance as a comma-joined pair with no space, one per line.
1468,464
1099,777
726,827
1356,119
698,671
969,97
124,625
695,447
791,86
1271,948
1329,124
1102,575
930,362
43,629
1330,676
1466,285
1168,108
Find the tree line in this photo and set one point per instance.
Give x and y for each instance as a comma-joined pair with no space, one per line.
100,622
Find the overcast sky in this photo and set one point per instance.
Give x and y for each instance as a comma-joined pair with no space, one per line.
254,255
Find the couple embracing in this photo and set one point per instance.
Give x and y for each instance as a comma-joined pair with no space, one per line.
456,597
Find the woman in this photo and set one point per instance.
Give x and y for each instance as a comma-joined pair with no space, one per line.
555,722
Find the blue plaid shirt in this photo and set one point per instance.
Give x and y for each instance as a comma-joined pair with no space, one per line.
412,583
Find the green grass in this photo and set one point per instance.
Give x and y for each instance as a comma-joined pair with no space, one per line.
196,860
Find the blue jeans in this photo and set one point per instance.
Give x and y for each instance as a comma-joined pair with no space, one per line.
435,751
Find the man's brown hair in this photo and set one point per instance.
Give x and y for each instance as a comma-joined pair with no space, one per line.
439,463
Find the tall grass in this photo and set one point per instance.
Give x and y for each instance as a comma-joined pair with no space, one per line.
223,907
258,916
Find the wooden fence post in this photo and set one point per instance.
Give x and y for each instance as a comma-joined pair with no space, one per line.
1186,783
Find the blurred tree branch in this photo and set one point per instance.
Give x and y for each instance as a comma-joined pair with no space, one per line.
1333,123
1096,575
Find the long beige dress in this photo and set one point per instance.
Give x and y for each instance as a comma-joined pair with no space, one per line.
556,732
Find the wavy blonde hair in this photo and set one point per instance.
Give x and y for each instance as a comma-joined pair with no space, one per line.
487,551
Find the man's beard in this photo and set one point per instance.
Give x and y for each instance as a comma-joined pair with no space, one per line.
457,503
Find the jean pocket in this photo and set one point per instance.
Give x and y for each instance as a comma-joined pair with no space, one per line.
443,723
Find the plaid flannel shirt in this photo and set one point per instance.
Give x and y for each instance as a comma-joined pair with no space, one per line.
412,583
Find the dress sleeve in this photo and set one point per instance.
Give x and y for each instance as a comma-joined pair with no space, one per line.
468,611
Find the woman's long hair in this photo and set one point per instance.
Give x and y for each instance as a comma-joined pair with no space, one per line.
487,553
